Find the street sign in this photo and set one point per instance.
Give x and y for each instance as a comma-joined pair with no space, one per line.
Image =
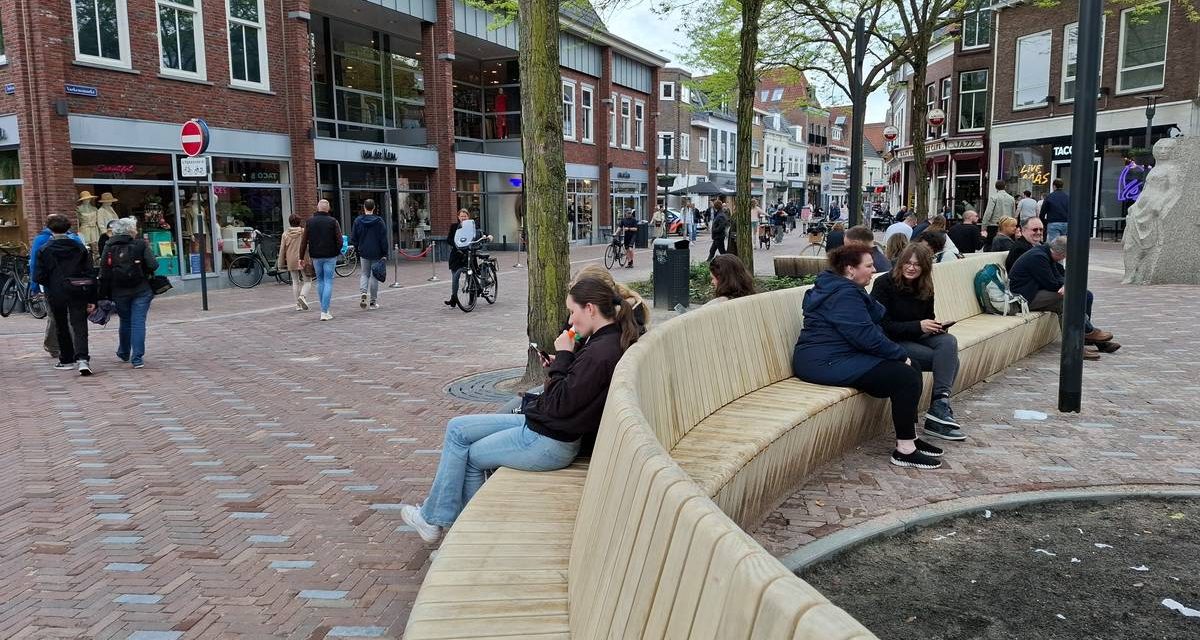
890,133
194,137
936,117
196,168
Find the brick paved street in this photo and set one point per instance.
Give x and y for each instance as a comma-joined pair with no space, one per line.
244,483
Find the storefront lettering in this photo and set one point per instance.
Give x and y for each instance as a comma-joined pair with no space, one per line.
624,175
264,176
1064,151
116,169
379,154
1034,173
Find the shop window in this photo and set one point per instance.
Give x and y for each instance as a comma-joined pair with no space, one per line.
92,164
1032,84
639,126
12,215
246,170
1070,54
1143,53
181,38
972,100
568,109
977,28
586,96
101,32
247,43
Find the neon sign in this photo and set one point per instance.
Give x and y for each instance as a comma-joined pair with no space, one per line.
1129,187
1034,173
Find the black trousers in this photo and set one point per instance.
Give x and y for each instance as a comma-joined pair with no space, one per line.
718,247
70,323
901,384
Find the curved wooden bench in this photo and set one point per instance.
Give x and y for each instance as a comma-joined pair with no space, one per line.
695,441
797,266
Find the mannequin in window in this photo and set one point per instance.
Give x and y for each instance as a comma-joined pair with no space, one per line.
501,121
86,213
106,212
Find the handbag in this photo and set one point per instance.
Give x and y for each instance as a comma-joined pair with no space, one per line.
160,284
379,269
80,288
101,314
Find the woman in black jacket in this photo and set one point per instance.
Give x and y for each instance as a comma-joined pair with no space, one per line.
906,293
552,430
458,256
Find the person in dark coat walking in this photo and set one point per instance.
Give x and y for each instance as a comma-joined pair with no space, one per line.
906,293
720,228
322,243
370,238
843,344
61,263
125,270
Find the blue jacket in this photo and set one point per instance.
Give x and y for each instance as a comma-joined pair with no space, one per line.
369,236
1036,271
40,241
1055,207
842,338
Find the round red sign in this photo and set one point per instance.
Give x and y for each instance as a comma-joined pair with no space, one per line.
890,133
194,137
937,117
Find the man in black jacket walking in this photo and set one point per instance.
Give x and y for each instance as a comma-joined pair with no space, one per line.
322,242
64,270
369,237
720,227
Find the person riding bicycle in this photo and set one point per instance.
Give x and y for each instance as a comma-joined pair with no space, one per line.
629,228
459,256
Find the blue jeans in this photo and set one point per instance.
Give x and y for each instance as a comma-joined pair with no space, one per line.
691,232
324,268
480,443
1054,230
131,337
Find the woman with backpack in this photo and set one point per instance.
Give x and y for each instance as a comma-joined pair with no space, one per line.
125,270
906,293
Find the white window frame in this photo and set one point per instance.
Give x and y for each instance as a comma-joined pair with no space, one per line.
972,93
703,150
930,104
666,90
3,53
639,125
588,108
1067,51
685,94
945,89
777,94
568,106
1017,69
967,16
263,55
1166,12
122,38
685,143
663,136
626,122
612,121
198,23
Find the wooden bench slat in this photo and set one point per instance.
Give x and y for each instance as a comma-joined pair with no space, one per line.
492,609
515,627
479,593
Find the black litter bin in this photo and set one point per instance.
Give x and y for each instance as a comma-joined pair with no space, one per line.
671,265
642,239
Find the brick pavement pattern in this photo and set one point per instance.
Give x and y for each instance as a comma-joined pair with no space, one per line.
246,482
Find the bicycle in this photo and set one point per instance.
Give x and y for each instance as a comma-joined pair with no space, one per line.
247,270
478,278
615,253
16,289
816,239
347,263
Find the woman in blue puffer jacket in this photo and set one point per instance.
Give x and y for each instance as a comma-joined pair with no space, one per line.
843,344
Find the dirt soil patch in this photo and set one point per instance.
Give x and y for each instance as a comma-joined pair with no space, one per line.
1056,570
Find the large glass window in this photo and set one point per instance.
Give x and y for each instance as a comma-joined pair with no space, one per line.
1032,85
586,96
247,43
568,108
581,208
1070,55
977,28
972,100
101,31
487,106
12,213
181,38
1143,49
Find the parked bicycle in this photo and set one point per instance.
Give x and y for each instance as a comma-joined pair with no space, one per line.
478,278
815,231
15,272
247,270
615,253
347,263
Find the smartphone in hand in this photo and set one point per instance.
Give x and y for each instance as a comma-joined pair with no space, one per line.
947,325
541,353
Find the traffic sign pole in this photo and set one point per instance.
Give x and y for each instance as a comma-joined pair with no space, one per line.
194,138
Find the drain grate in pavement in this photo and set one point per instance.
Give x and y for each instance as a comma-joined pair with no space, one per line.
481,387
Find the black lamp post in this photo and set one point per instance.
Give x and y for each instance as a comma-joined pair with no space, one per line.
1151,101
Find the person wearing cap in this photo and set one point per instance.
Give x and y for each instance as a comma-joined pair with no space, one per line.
904,225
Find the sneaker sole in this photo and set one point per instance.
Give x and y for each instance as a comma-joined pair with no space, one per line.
943,436
303,306
948,423
915,465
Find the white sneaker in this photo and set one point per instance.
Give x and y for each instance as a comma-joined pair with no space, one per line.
301,303
63,366
84,368
362,301
326,316
413,518
374,306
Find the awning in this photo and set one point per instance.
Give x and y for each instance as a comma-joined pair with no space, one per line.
974,155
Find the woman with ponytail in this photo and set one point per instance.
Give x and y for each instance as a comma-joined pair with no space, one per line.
554,426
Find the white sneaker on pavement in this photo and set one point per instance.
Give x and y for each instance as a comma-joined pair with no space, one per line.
85,369
326,316
301,303
362,301
413,518
374,306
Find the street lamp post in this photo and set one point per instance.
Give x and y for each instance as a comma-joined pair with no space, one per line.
1083,144
1151,101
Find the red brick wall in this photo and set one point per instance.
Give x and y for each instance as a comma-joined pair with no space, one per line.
438,38
576,151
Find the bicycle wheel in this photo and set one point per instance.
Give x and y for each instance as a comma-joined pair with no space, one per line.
283,276
813,249
245,272
8,297
622,259
611,255
468,289
37,307
489,282
346,268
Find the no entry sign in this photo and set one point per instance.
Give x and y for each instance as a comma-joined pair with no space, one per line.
194,137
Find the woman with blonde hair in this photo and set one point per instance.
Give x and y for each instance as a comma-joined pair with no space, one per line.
1006,232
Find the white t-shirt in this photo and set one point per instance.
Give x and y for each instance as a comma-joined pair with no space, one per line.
898,227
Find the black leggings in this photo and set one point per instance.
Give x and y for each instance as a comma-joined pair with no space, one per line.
902,384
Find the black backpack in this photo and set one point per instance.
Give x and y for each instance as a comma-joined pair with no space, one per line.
125,264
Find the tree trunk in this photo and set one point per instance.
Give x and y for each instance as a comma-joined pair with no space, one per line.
917,133
857,119
747,85
545,176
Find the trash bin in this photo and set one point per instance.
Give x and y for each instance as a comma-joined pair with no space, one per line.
642,239
670,274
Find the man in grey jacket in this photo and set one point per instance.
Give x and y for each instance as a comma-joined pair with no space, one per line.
1000,205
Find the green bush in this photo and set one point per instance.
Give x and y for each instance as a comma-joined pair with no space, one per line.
700,288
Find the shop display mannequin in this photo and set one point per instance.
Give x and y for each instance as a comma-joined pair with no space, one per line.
86,214
193,216
106,214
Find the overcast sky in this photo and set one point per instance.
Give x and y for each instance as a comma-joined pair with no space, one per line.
635,22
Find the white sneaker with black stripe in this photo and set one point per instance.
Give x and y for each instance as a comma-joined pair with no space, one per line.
916,460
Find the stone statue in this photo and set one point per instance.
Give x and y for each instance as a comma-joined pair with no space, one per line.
1162,233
